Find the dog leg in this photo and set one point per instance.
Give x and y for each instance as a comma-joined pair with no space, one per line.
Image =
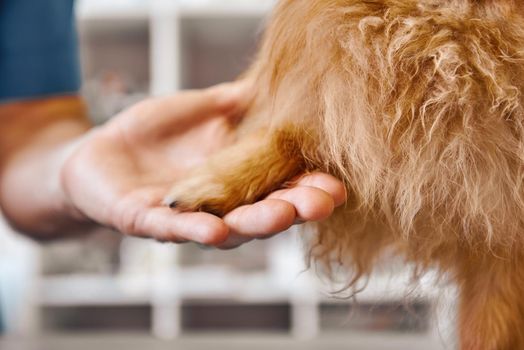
492,304
241,174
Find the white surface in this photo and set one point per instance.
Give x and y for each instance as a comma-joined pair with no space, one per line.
141,9
353,341
112,10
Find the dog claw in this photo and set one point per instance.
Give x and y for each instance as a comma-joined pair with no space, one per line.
174,204
171,202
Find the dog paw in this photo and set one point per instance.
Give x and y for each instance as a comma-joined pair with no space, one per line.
201,193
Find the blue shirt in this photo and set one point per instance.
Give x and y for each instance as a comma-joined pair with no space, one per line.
38,49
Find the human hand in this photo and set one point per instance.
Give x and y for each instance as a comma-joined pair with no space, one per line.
120,173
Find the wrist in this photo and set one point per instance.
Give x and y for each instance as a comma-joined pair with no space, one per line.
33,197
64,176
36,139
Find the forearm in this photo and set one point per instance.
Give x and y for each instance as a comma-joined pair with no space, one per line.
37,138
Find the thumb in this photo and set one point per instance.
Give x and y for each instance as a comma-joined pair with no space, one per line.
187,108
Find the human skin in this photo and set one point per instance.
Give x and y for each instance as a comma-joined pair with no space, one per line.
61,177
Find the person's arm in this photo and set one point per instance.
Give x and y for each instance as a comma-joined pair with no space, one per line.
39,61
35,138
57,179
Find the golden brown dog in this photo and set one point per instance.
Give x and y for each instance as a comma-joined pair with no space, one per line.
418,106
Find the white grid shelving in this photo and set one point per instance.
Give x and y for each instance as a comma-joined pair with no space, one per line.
166,285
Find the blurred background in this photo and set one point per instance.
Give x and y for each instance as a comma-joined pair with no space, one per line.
150,295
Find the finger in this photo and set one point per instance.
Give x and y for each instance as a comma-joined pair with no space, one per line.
327,183
166,225
234,98
311,203
259,220
313,199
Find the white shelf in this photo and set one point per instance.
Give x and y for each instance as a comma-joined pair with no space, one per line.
167,285
243,8
112,10
207,283
225,284
87,290
125,9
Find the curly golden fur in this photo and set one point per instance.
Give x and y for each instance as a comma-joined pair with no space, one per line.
417,105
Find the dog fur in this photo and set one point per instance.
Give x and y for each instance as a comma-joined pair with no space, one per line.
417,105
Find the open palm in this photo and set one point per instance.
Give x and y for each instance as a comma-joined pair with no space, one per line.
122,170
